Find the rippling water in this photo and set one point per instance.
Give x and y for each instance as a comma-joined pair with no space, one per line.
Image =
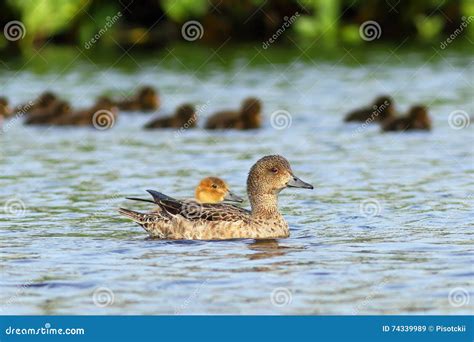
387,230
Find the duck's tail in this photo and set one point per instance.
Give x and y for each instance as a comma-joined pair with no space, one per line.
135,216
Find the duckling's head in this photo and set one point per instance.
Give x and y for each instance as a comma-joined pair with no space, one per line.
271,174
186,114
214,190
61,107
46,98
251,112
384,106
104,102
419,116
5,109
148,97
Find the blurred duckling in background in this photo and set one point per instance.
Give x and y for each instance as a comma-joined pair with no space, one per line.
46,115
146,100
248,117
184,116
102,113
43,101
5,110
382,109
416,119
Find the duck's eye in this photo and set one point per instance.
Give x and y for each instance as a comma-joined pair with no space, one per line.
274,170
214,186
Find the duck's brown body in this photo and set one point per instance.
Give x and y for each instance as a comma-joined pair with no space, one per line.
86,117
146,100
46,115
248,117
43,102
382,109
416,119
185,116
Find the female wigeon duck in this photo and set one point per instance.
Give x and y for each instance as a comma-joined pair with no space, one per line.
146,100
382,109
85,117
43,101
185,116
5,110
182,220
209,190
248,117
416,119
45,116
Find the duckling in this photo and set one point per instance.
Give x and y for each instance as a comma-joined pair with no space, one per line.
85,117
416,119
221,221
248,117
41,102
382,109
146,100
184,116
47,115
5,110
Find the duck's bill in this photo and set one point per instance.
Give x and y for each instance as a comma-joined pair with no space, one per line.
295,182
232,197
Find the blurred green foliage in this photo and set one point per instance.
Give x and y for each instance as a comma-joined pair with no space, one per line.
157,22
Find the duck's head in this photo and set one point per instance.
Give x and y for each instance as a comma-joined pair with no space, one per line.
418,115
148,98
46,99
251,112
271,174
186,114
5,109
385,107
215,190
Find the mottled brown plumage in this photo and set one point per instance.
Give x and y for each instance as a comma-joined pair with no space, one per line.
185,117
192,220
248,117
146,100
416,119
88,116
46,115
382,109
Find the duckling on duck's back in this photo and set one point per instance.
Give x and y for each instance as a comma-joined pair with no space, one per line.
416,119
185,116
266,179
248,117
382,109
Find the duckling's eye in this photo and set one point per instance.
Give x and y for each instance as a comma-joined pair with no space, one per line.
214,186
274,170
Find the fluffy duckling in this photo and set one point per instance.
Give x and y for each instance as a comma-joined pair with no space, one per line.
184,116
43,101
416,119
382,109
45,116
179,220
5,110
146,100
87,117
248,117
